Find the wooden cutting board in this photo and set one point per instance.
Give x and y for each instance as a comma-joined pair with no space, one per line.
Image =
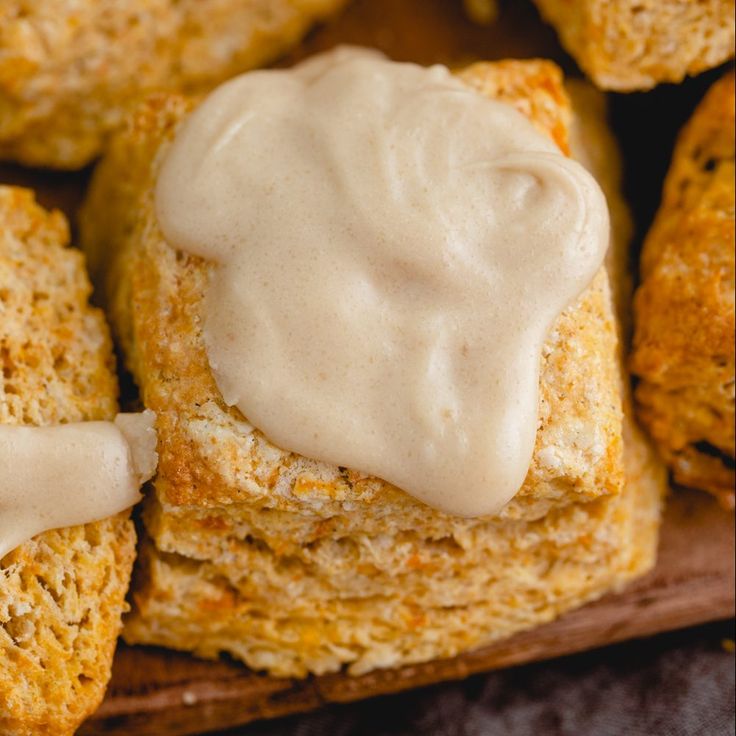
155,692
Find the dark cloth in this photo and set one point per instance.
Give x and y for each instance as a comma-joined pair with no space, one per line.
679,684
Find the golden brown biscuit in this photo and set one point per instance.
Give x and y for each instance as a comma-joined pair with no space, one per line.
684,340
61,593
69,70
295,566
629,45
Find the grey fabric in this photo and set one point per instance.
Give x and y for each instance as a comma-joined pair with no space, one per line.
678,684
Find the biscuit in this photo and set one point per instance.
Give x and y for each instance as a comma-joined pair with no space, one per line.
69,70
295,566
62,592
627,45
684,340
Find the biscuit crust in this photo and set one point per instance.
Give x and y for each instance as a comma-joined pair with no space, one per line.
684,308
61,593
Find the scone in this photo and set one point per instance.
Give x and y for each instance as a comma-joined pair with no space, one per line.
69,70
62,593
627,45
295,566
684,340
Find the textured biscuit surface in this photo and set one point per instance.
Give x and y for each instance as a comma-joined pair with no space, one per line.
684,340
70,68
61,593
296,566
635,44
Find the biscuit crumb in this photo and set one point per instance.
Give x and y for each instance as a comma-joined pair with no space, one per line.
189,698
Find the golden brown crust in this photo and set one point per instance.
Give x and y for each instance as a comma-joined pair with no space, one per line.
61,593
296,566
630,45
684,341
69,70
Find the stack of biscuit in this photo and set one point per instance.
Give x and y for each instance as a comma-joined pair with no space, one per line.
295,566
